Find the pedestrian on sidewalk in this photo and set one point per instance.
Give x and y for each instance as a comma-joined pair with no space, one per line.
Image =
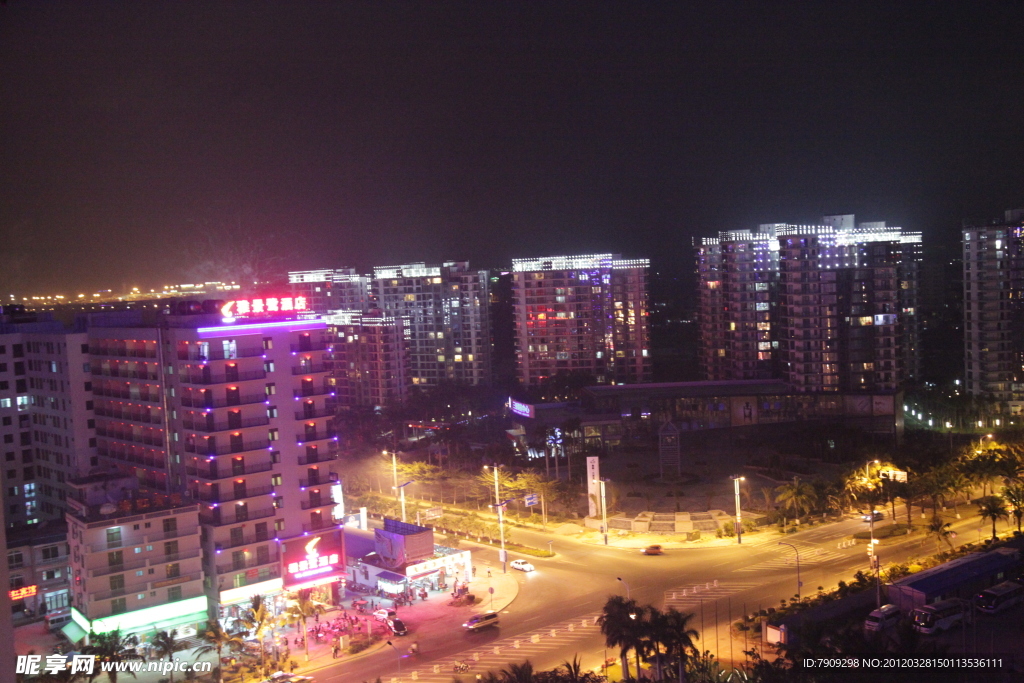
474,570
488,572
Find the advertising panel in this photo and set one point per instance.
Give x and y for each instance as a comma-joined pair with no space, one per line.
519,408
313,560
593,487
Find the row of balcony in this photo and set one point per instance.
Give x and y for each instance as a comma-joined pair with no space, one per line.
156,537
209,425
129,436
135,458
220,517
234,470
218,353
250,563
121,352
129,415
130,394
205,447
209,401
227,377
156,561
309,369
125,373
165,582
226,494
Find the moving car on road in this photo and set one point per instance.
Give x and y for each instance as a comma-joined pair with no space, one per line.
521,565
879,515
398,626
479,621
652,550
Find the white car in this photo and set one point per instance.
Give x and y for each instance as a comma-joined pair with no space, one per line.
385,614
521,565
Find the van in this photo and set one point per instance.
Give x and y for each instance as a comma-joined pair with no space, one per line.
55,621
882,618
480,621
940,616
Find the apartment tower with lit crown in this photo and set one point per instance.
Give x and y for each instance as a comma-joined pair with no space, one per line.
993,263
582,314
827,308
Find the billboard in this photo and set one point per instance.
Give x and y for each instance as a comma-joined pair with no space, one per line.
313,560
593,487
519,408
399,543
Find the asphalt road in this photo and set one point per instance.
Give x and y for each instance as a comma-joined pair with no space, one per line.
552,619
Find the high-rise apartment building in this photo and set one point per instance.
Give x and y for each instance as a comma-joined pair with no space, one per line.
830,307
327,289
993,268
447,313
584,314
45,415
368,358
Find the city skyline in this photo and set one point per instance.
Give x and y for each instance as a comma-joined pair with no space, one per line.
166,141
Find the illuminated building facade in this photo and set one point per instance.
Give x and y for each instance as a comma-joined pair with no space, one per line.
330,289
239,422
827,308
38,560
368,358
136,559
446,311
582,314
45,415
993,263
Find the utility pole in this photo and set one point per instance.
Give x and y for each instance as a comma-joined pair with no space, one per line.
739,521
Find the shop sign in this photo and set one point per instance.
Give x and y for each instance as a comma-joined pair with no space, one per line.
241,308
23,592
319,556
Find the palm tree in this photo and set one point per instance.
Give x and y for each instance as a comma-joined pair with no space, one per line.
941,532
301,609
1014,496
216,639
957,485
518,673
112,647
258,620
798,496
573,670
618,624
165,645
994,508
678,637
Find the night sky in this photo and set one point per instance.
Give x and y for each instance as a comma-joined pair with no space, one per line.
138,139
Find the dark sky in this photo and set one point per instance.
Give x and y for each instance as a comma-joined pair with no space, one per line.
136,136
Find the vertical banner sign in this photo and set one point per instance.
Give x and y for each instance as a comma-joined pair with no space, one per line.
593,488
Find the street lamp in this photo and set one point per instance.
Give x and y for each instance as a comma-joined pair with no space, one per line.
604,509
494,469
799,583
503,556
867,468
619,579
401,493
739,521
399,659
394,469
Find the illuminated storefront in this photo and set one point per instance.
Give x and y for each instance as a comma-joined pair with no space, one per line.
439,572
316,563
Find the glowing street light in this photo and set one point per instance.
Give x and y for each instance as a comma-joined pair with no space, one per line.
739,521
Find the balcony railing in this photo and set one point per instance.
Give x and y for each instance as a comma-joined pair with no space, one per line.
313,414
326,456
227,378
127,374
205,426
319,435
221,402
154,463
225,496
237,519
326,480
128,436
244,540
309,370
313,346
309,392
121,352
318,526
229,472
218,354
144,418
227,448
248,564
148,397
325,501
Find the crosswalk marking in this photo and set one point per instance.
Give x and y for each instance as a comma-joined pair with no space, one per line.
499,653
785,557
692,595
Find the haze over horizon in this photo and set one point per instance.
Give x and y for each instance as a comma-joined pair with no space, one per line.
142,143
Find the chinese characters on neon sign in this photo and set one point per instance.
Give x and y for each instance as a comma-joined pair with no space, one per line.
23,592
243,307
314,564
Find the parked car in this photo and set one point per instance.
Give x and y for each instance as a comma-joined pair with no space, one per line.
480,621
398,626
882,618
652,550
385,614
521,565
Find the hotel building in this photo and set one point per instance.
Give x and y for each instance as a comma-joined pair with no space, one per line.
582,314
